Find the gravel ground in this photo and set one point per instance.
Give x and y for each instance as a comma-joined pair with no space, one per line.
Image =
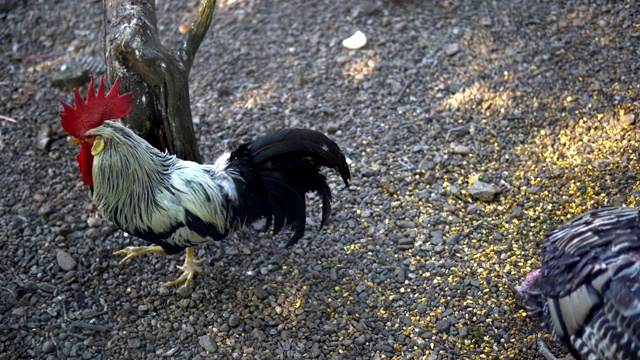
472,128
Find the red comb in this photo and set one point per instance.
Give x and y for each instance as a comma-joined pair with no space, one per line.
98,108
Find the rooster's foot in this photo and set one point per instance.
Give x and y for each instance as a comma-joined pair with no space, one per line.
135,251
189,269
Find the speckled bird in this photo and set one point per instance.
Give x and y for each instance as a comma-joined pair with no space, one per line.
178,204
588,290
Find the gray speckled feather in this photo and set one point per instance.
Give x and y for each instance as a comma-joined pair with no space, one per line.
589,290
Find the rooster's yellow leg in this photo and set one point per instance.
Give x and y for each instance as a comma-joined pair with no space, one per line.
189,269
135,251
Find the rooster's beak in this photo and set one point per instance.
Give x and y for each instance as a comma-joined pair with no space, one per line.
74,141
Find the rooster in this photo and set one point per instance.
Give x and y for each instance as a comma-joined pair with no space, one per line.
588,290
176,204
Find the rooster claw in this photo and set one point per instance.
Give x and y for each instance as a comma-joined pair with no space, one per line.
135,251
189,270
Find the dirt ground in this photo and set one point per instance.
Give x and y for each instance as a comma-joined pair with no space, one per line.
537,99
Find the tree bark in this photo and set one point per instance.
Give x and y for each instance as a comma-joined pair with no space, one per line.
158,77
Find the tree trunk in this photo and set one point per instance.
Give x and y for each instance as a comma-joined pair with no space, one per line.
158,77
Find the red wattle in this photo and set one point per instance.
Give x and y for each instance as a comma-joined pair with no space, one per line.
85,163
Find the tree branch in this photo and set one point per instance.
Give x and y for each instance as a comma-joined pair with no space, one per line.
197,31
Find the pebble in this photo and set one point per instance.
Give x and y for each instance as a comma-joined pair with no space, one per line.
259,334
70,276
342,59
65,260
452,49
163,291
405,243
422,308
535,190
332,128
48,347
427,164
516,212
92,233
45,210
453,238
617,200
46,287
461,149
436,238
134,343
234,320
333,274
483,191
184,303
261,293
94,222
207,343
628,119
328,329
184,291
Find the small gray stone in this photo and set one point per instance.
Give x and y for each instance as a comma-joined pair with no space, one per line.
170,352
517,212
422,308
70,276
483,191
134,343
184,291
163,291
328,329
427,164
453,238
65,260
405,244
442,325
534,190
207,343
94,222
332,128
261,293
48,347
452,49
461,149
184,303
92,233
259,334
436,238
45,210
617,200
46,287
234,320
333,274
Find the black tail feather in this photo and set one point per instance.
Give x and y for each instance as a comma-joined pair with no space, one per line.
279,169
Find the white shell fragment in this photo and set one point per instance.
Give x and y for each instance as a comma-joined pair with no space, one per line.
355,41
